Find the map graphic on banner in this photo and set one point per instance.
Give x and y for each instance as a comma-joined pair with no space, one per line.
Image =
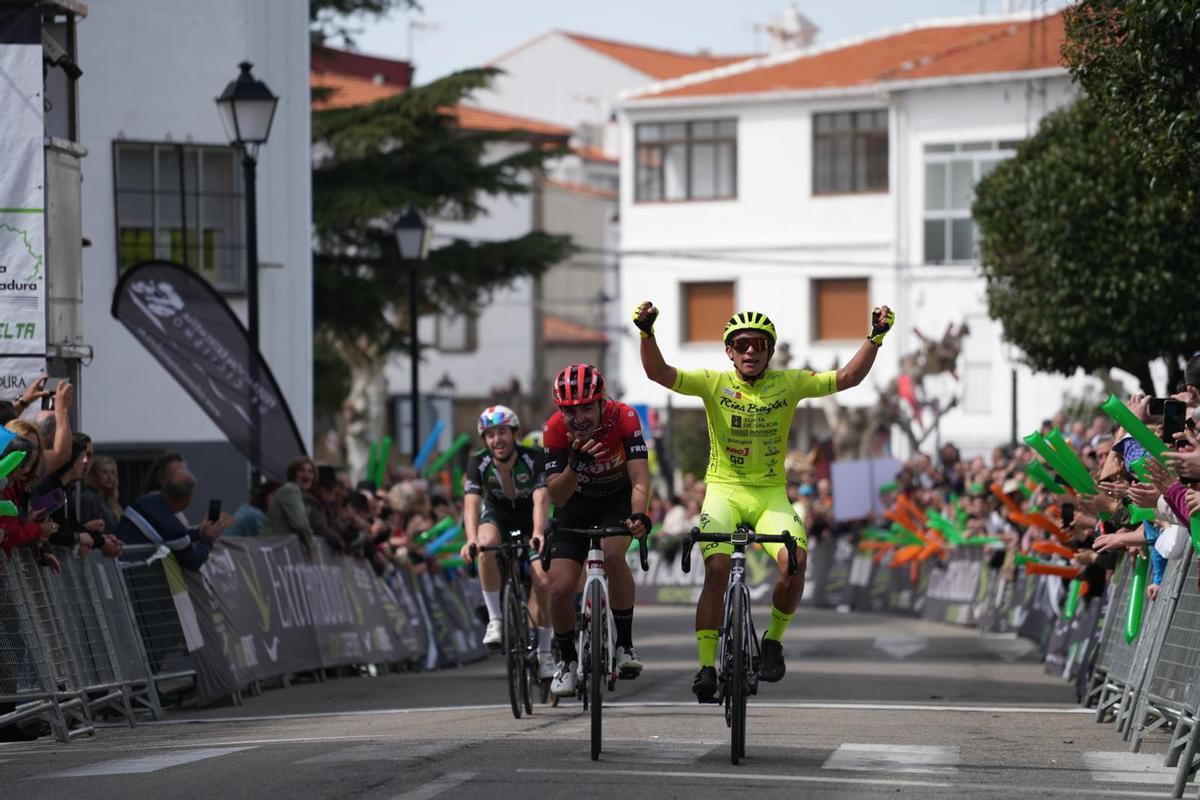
22,202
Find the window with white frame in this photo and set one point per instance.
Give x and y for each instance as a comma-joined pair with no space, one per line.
184,203
951,172
686,160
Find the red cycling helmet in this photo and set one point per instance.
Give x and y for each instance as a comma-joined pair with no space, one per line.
577,385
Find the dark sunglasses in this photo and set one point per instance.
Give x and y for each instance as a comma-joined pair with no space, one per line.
744,343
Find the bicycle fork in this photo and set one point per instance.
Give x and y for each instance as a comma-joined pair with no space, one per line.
737,583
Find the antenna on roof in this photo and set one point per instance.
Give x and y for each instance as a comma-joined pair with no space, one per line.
419,23
791,31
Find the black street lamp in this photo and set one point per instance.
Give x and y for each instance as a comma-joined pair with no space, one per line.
412,237
247,109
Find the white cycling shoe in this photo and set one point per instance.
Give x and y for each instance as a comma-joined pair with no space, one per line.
494,634
628,663
565,679
546,666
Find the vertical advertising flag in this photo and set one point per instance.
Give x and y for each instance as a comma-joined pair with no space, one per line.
22,201
193,333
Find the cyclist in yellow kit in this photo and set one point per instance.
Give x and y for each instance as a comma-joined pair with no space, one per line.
749,411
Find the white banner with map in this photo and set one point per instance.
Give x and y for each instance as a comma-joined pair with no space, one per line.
22,202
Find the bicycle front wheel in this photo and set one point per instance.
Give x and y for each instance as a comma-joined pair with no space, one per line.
738,677
599,667
514,648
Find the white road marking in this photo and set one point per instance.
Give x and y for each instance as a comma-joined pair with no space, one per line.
1121,766
374,712
383,751
879,707
749,777
144,764
436,787
651,751
915,758
899,646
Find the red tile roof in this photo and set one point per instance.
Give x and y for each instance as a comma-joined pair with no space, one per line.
655,62
473,118
589,153
583,188
358,65
345,91
934,50
556,330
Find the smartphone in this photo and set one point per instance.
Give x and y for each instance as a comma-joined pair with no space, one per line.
214,510
50,386
1174,416
48,503
1068,514
1156,406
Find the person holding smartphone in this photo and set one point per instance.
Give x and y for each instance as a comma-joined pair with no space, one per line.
62,486
26,529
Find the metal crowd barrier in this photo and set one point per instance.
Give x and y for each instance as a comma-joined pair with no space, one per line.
69,653
1114,660
168,661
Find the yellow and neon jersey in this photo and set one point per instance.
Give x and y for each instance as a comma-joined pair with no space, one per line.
748,424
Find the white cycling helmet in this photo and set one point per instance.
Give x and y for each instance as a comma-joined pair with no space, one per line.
498,417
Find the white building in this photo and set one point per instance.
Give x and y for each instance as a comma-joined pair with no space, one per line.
157,151
815,184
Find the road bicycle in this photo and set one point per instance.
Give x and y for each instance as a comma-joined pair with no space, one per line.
519,643
738,648
596,630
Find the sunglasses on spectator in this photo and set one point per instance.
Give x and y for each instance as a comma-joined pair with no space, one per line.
744,343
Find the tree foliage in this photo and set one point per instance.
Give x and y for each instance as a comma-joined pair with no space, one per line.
328,18
1087,264
1139,62
374,161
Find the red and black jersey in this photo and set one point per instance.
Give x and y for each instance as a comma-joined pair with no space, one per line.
621,434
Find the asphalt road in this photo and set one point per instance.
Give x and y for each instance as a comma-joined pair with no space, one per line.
872,706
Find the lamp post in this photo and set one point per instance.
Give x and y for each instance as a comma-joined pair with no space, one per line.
247,109
412,237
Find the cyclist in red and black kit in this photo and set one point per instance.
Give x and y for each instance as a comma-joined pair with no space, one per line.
597,475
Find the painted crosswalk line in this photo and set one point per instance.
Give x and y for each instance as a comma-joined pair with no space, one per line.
909,758
145,764
1121,766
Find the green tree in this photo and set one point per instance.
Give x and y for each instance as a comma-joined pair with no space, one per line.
328,19
370,163
1087,265
1139,62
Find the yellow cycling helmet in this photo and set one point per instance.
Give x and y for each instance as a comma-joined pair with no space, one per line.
750,321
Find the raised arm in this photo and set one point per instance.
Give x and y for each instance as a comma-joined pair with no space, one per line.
856,369
656,367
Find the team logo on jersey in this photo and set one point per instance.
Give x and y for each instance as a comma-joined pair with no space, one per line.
735,421
731,393
523,477
772,451
738,451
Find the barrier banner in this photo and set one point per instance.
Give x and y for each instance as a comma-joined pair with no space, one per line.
264,609
456,632
957,590
829,570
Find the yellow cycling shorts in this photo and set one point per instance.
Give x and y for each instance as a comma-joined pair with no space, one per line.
766,509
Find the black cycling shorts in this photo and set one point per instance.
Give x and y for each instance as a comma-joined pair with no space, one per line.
581,512
507,522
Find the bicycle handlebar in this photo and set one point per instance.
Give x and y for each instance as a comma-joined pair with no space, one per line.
742,537
595,533
503,547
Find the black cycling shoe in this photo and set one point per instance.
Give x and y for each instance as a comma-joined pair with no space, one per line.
772,667
704,685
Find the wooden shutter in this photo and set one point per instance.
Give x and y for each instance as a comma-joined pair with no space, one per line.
842,308
707,307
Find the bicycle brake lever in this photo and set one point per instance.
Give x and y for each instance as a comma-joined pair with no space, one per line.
685,553
643,555
544,555
793,562
472,567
